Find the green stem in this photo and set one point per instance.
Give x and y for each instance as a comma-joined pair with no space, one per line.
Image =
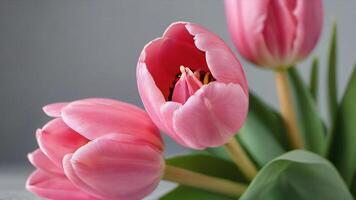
287,109
240,157
202,181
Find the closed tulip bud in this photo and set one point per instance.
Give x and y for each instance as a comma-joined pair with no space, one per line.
96,149
49,182
193,86
274,33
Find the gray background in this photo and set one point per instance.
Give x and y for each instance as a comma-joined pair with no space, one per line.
53,50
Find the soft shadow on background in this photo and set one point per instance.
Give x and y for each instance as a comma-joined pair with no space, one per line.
54,50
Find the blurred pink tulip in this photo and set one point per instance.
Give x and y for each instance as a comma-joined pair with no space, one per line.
274,33
96,149
193,86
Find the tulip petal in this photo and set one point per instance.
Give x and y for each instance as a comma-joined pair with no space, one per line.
54,187
279,30
212,115
149,61
179,33
116,166
309,15
150,94
221,61
54,110
97,117
246,29
167,110
159,110
56,139
39,160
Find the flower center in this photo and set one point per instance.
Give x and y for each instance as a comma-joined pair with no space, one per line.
187,83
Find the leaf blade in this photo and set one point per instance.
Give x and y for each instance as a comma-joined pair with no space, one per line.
343,149
198,163
309,122
314,79
189,193
297,175
332,73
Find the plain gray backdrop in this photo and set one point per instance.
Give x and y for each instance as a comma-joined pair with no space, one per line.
62,50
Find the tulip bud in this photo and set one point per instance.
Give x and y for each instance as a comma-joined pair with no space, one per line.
49,186
96,149
193,86
274,33
49,181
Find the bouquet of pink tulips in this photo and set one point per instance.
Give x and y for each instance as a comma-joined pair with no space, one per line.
194,89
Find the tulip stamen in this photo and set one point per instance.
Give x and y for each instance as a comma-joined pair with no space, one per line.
183,69
207,78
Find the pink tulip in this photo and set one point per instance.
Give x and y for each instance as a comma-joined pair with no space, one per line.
96,149
193,86
274,33
49,181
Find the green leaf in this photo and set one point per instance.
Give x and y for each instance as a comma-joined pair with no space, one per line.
353,185
189,193
219,152
263,135
309,122
205,164
332,83
270,118
343,148
297,175
314,79
199,163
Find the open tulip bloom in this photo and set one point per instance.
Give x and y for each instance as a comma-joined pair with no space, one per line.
193,86
194,89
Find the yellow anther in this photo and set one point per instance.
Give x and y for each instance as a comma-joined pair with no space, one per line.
182,69
206,78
